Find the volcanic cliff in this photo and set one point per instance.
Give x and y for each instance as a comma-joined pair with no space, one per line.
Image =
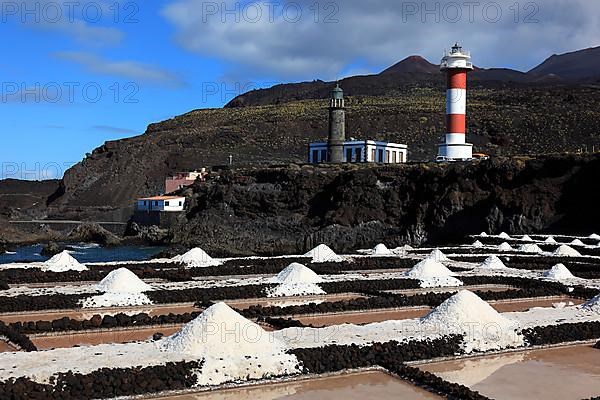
289,209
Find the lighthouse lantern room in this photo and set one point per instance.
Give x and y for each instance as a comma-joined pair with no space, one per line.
456,63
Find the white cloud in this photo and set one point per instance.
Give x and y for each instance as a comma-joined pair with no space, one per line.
380,32
123,69
87,21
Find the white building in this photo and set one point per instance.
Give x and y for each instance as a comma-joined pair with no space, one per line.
360,151
161,203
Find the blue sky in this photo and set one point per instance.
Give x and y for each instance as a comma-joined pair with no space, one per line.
156,59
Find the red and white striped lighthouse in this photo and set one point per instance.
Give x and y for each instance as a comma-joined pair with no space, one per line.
456,63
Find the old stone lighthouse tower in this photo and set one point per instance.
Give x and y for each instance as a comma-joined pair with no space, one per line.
337,126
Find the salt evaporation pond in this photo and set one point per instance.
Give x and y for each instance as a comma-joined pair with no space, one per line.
566,373
377,385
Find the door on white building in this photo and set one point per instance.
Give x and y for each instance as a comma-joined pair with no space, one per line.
358,155
315,156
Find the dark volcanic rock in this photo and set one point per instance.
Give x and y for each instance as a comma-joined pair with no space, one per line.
152,235
93,233
291,209
51,249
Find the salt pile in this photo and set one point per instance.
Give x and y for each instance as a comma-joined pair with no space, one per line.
567,251
432,273
121,288
438,256
381,250
482,326
530,248
492,262
527,238
477,244
296,280
594,236
505,247
63,262
122,280
558,272
550,240
483,234
504,235
233,348
402,250
297,273
577,242
196,257
322,253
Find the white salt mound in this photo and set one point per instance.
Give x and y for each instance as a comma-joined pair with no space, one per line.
504,235
437,255
122,280
63,262
322,253
196,257
558,272
296,280
233,347
527,238
530,248
483,327
193,338
432,274
477,244
594,236
567,251
429,268
483,234
381,250
577,242
550,240
505,247
492,262
297,273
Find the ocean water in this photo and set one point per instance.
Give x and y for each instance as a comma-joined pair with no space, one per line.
84,253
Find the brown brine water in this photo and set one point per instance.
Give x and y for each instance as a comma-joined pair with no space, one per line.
91,339
368,385
563,373
7,347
